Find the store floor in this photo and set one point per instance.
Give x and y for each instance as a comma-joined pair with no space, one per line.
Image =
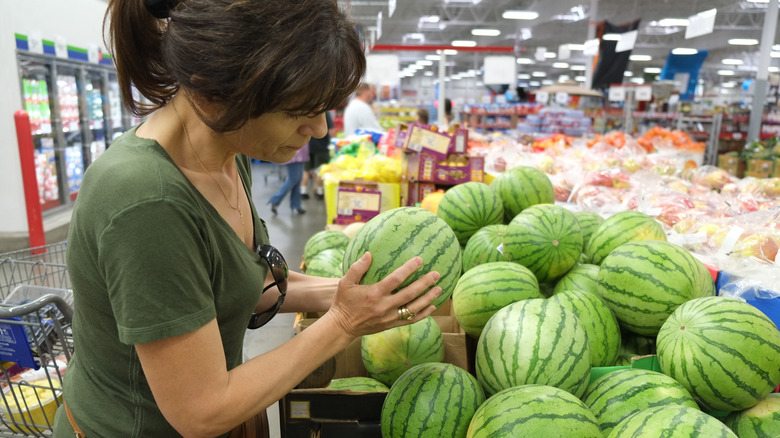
289,233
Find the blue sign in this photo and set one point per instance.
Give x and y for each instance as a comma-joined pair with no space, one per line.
15,346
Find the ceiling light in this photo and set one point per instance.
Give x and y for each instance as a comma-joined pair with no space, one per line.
576,46
424,63
578,67
628,73
430,19
579,78
524,76
447,79
640,58
563,78
534,83
671,22
464,43
479,84
547,82
520,15
639,81
774,54
485,32
684,51
450,52
758,1
525,61
415,67
432,57
726,72
561,65
611,37
773,69
730,84
743,41
550,55
730,61
428,73
652,70
776,47
538,74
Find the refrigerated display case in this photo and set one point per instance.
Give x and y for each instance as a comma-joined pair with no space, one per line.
70,106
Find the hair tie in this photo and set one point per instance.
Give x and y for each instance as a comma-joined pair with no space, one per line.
160,8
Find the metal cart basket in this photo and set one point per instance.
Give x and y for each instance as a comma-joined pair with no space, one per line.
36,343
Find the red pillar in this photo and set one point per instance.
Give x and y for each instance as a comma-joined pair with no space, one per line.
30,182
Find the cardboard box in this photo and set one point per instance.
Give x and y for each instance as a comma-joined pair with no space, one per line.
325,413
458,169
357,201
421,167
732,163
760,168
460,141
422,139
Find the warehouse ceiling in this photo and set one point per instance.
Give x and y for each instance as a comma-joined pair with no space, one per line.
560,22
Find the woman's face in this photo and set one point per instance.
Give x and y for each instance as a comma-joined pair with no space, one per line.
277,136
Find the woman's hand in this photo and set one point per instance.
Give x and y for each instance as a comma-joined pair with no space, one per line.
365,309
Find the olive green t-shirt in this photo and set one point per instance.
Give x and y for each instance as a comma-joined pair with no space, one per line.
148,258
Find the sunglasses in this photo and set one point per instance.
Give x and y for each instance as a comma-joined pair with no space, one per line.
278,266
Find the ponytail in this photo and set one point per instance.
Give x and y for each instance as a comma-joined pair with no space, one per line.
136,47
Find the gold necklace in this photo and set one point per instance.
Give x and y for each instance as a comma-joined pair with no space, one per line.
189,141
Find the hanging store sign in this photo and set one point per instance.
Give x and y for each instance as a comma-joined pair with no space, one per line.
701,24
379,25
644,93
591,47
500,70
391,8
626,42
617,94
564,52
382,69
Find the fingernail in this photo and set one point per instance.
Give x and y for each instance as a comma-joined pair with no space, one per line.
418,260
365,257
436,276
437,291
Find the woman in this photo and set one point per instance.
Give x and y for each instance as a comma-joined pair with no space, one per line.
292,184
161,250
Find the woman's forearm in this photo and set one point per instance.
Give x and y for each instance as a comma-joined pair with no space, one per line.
305,293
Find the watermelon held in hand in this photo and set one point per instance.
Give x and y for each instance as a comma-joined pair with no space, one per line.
468,207
644,281
486,289
671,421
485,246
387,354
546,239
723,350
624,227
616,396
431,400
358,384
534,341
326,239
760,421
533,411
522,187
395,236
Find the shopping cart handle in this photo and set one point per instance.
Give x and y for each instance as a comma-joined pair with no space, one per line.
27,308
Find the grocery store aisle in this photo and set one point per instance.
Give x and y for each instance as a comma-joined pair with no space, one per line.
289,233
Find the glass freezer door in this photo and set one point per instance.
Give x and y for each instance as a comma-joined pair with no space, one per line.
70,117
96,117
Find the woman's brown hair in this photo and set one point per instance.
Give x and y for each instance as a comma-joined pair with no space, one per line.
249,57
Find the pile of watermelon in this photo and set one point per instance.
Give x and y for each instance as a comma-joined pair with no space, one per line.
549,295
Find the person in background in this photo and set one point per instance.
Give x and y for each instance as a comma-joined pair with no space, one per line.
319,154
168,258
292,184
423,116
358,114
449,117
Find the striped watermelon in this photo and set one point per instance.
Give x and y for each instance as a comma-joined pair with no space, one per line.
582,277
432,400
395,236
624,227
533,341
643,282
326,263
598,321
589,222
468,207
522,187
485,246
533,411
671,422
723,350
387,354
358,384
326,239
615,396
484,290
760,421
546,239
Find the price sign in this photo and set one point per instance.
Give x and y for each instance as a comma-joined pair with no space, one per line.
617,94
643,94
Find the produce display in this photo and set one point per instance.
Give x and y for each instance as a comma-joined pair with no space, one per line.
485,246
323,240
468,207
521,188
358,384
761,420
673,421
621,228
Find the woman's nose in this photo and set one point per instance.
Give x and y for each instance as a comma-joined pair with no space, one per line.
316,126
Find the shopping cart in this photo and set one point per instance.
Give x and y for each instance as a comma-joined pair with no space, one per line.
36,341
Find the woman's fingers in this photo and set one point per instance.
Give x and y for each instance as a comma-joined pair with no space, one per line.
358,269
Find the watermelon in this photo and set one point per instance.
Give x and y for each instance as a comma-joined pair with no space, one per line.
546,239
534,341
760,421
358,384
598,321
387,354
484,290
432,400
468,207
589,222
624,227
326,239
326,263
671,421
723,350
581,277
643,282
485,246
533,411
615,396
395,236
522,187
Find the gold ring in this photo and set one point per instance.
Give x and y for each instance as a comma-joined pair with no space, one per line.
405,314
